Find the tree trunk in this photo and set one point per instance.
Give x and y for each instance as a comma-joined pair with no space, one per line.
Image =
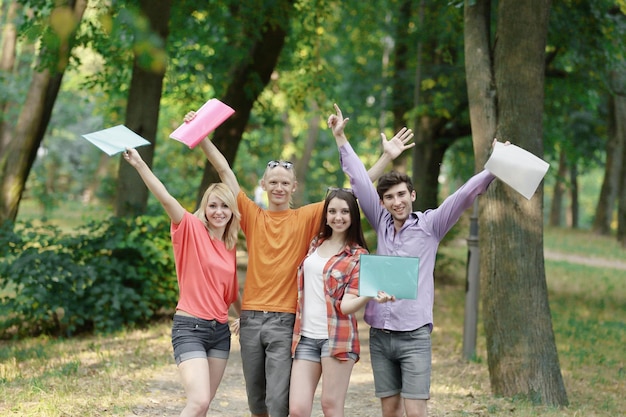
248,81
301,163
427,158
620,132
556,210
7,63
574,203
521,349
142,114
608,192
17,158
94,183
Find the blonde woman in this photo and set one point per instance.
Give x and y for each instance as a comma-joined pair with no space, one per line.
205,255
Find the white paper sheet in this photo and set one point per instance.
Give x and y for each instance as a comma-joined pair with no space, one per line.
115,139
517,167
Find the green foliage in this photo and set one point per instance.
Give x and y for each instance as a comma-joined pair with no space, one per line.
102,277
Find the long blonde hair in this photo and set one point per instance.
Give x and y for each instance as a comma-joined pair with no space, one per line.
224,193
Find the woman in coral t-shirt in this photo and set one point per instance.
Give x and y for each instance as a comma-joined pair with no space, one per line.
206,266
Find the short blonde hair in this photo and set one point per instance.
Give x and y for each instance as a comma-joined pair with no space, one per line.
224,193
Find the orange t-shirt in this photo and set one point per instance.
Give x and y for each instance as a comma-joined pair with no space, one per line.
277,242
206,270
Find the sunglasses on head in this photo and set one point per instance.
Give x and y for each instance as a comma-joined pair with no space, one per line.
331,189
284,164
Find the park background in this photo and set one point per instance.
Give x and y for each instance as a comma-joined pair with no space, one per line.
81,217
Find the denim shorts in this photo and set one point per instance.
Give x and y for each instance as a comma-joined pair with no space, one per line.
315,349
401,362
198,338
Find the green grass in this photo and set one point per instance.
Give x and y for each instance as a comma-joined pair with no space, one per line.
583,243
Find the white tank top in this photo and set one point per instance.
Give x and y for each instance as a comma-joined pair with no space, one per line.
314,318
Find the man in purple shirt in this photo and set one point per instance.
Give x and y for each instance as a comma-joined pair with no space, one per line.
400,344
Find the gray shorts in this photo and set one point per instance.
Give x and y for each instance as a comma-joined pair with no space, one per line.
265,339
315,349
401,362
198,338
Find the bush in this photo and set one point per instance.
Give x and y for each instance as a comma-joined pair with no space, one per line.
102,277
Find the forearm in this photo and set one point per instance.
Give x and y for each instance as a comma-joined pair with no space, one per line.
174,210
378,168
351,304
219,162
340,139
236,306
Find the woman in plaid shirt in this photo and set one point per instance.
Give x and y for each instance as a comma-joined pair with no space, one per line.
325,337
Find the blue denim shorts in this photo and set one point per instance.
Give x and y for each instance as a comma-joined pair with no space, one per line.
401,362
198,338
315,349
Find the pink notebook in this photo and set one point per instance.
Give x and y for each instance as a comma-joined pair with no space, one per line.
208,118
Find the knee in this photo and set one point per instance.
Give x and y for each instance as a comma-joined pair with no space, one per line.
331,406
299,410
198,406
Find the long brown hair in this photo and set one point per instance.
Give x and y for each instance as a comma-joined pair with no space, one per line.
224,193
355,231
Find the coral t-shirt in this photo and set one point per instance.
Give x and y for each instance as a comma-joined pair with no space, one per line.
277,242
206,270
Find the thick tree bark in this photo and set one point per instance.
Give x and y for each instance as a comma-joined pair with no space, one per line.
19,154
248,81
521,349
479,73
142,115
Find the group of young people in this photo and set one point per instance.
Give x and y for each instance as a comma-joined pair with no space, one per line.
297,314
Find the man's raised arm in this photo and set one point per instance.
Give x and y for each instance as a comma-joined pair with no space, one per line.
391,148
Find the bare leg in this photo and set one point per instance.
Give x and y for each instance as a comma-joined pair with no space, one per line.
392,406
305,376
415,408
335,385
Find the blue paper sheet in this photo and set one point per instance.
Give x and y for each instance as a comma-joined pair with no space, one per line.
396,275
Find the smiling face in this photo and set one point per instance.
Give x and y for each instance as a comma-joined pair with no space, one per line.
279,183
217,213
338,215
398,201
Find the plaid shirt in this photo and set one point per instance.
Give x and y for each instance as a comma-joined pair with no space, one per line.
341,276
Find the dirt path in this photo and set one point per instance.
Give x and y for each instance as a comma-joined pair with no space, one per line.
584,260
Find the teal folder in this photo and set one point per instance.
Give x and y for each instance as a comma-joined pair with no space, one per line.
396,275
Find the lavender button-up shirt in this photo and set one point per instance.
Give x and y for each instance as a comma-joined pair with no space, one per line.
419,237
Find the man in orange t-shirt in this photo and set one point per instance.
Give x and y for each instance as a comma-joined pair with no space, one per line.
277,239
